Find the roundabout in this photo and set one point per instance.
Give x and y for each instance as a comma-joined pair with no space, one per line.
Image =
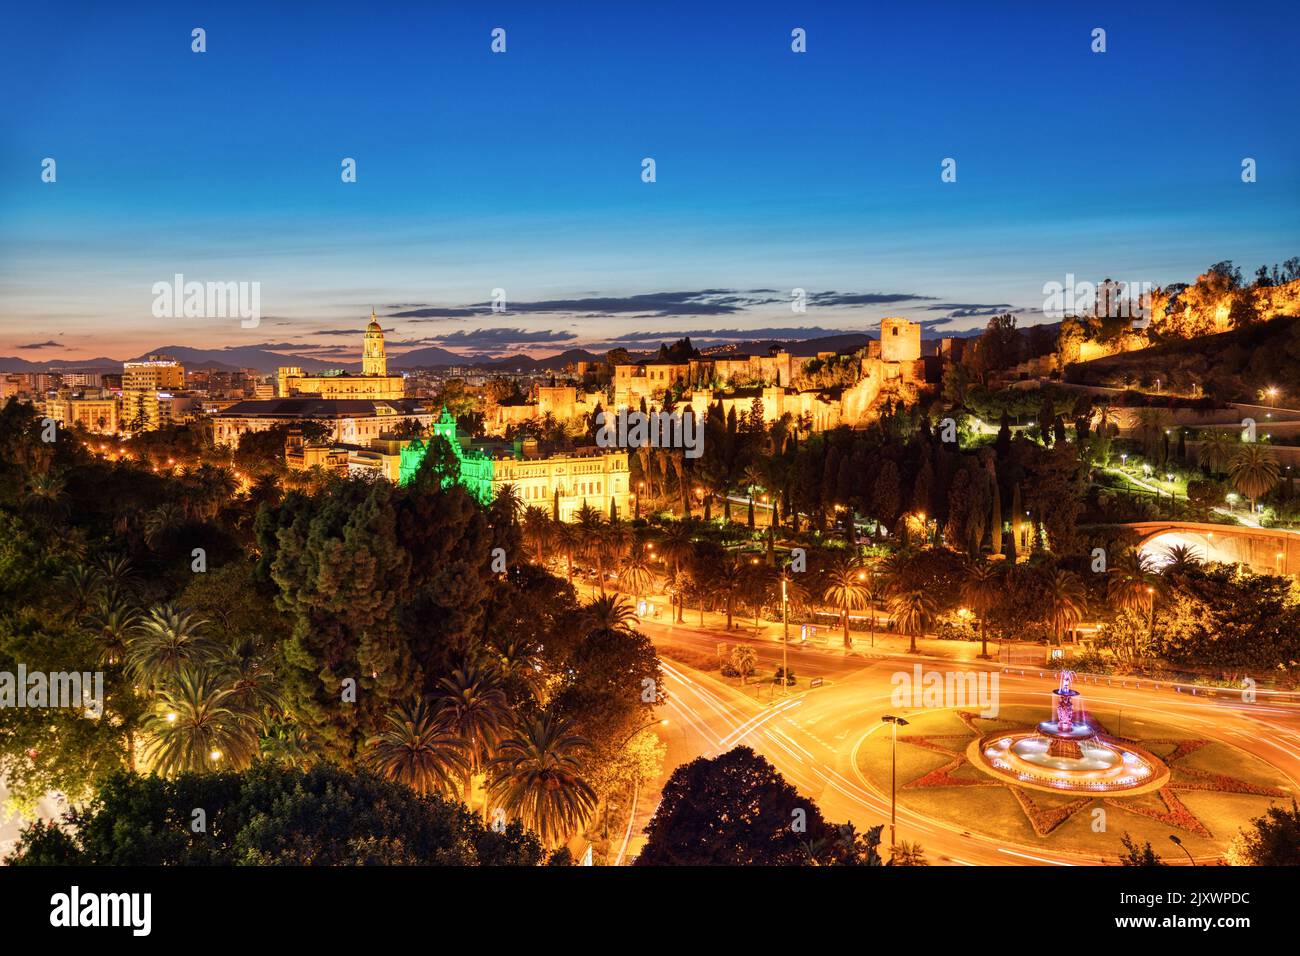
1016,781
1068,754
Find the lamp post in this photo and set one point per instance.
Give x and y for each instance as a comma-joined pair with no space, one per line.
785,642
628,740
895,722
1179,843
653,723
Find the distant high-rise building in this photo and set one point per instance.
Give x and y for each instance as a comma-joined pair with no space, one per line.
158,372
147,391
95,414
75,379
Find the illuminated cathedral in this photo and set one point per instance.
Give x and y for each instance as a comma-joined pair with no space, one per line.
373,383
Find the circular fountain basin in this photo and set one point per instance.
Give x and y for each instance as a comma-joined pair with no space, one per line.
1093,765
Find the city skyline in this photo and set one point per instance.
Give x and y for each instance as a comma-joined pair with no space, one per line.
514,438
522,171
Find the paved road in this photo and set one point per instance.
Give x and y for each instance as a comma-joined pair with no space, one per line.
813,737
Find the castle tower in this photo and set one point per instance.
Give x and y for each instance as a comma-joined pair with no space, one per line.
373,360
900,340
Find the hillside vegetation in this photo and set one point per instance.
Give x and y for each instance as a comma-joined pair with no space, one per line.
1236,365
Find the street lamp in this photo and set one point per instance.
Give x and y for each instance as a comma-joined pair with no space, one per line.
895,722
785,641
653,723
1179,843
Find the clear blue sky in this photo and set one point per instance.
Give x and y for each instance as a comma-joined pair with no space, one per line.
522,170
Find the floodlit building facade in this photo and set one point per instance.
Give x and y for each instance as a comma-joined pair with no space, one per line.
561,484
373,383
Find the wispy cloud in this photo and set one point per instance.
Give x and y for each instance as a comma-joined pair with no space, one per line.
965,310
498,337
40,345
864,298
651,305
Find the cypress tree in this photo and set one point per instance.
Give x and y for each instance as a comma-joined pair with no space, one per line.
995,519
1017,513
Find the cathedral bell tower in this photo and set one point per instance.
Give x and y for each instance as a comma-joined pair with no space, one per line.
373,360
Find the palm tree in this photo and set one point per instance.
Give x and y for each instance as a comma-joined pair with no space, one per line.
199,724
760,579
415,748
518,661
591,532
728,583
474,708
980,592
46,493
677,462
678,583
1216,450
1253,471
743,659
617,541
118,574
1151,423
211,488
288,745
1133,583
637,576
507,499
265,490
611,614
845,590
913,610
677,549
874,588
1182,559
165,640
537,530
1066,601
82,586
1105,416
537,779
113,625
160,520
568,539
251,677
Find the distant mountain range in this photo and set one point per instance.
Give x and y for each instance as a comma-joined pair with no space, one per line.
223,359
267,362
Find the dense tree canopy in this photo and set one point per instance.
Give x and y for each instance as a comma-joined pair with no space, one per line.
270,816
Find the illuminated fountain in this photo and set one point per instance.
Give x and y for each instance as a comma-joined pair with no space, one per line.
1068,753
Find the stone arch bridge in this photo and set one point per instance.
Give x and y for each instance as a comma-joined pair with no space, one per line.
1264,550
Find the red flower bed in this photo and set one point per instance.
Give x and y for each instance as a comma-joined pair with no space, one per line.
1174,814
1045,821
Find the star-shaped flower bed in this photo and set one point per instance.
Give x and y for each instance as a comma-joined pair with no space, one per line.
1045,813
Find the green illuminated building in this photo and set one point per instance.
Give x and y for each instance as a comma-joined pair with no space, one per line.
475,466
561,484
